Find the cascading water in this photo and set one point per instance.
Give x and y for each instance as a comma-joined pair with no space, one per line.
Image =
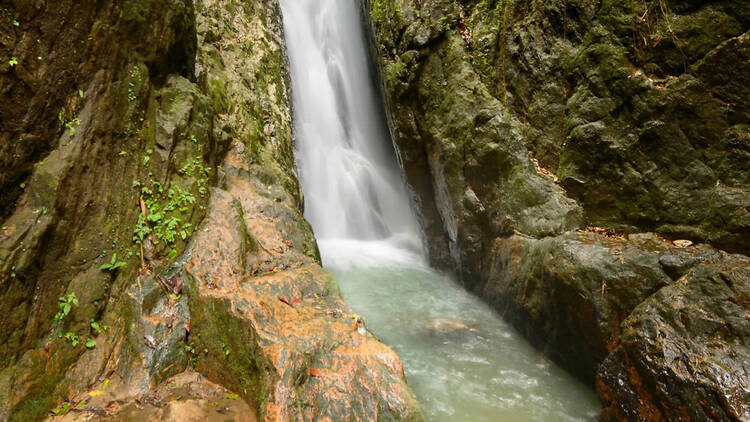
462,360
353,191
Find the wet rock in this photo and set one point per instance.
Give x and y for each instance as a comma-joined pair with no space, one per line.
441,326
185,397
265,347
568,294
161,131
683,353
520,121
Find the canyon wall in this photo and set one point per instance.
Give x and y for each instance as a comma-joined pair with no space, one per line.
583,166
152,238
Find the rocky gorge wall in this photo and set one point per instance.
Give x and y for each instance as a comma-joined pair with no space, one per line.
583,166
154,260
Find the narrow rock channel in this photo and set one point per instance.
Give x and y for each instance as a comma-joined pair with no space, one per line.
462,360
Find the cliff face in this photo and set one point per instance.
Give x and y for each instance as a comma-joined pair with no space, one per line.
542,138
151,224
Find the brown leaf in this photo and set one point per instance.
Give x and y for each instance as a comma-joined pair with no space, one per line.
177,284
143,207
285,300
316,372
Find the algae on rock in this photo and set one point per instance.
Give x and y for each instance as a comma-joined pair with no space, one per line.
518,121
160,131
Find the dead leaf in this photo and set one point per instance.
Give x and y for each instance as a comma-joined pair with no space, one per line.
143,207
285,300
96,393
177,284
682,243
315,372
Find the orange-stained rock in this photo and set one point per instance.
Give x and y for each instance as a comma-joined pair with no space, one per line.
187,397
249,278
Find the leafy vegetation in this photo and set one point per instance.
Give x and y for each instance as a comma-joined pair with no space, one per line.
113,264
167,212
72,338
98,328
66,304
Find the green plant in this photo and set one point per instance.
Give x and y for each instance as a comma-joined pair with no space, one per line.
190,350
71,125
90,343
66,304
113,264
97,327
13,61
72,338
62,409
226,349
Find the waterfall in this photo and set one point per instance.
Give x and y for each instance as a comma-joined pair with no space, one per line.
355,198
357,203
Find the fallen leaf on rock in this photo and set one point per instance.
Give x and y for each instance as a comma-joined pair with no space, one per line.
285,300
177,284
96,393
682,243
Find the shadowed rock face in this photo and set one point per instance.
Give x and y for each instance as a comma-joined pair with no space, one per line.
160,131
520,123
683,352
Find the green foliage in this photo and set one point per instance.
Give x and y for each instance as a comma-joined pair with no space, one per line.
62,409
196,169
72,338
90,343
66,304
142,229
97,328
136,78
13,61
113,264
71,125
168,211
190,350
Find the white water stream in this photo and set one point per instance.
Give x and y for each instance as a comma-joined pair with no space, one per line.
463,361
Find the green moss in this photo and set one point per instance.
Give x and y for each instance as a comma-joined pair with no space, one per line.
135,10
215,330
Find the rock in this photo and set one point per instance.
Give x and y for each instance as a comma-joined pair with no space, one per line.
161,132
683,353
569,294
519,122
448,326
182,398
